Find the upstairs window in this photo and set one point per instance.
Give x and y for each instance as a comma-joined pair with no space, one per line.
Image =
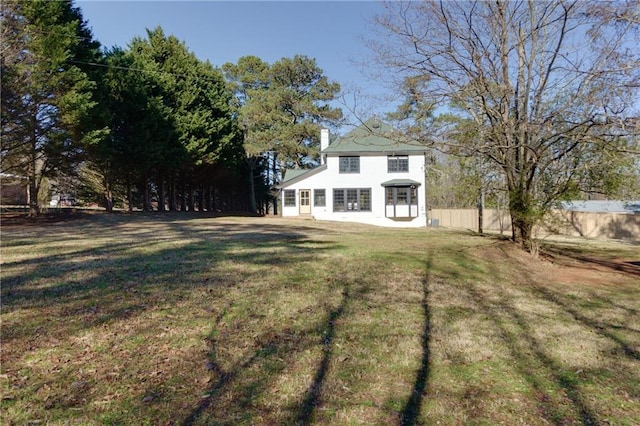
397,163
350,164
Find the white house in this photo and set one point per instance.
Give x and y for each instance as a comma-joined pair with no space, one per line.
369,175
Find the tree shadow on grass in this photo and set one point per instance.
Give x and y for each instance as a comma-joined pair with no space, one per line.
557,388
284,345
597,326
127,254
283,348
238,392
313,396
132,269
532,361
411,410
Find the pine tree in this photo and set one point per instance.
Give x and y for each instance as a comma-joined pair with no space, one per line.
281,109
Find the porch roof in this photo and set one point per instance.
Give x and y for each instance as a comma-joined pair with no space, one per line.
401,182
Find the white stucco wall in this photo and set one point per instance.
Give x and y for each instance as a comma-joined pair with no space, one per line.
373,171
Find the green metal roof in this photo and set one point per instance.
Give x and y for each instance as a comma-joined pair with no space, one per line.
293,175
400,182
374,136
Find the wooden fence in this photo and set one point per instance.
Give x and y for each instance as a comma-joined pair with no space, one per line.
623,226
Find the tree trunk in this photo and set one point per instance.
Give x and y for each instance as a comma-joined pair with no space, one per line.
108,195
34,208
252,189
275,183
481,211
129,195
190,197
522,231
172,195
207,198
161,193
108,201
147,196
201,198
183,195
522,218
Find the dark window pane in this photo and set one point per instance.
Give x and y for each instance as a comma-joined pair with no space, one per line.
414,196
352,199
402,196
338,200
304,198
349,165
319,198
290,198
397,163
389,195
365,200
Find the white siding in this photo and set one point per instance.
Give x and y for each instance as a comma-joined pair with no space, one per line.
373,171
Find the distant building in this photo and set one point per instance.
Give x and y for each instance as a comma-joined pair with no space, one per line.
602,206
14,189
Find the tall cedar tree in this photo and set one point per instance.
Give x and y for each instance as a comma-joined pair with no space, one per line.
197,134
135,120
171,130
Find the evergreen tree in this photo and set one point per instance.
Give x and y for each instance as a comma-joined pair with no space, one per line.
248,77
197,102
281,110
171,130
125,157
46,92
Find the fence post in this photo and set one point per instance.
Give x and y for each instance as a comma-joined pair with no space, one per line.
480,210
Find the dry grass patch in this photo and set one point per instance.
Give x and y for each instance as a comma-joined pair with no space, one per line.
184,319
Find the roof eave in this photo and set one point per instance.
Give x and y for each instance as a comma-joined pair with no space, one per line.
380,151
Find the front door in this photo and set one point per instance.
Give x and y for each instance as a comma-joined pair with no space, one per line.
305,201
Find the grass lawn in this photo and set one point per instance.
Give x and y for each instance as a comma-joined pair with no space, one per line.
187,319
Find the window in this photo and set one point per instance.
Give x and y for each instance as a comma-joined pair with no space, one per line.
289,198
352,199
402,202
349,164
404,195
397,163
319,198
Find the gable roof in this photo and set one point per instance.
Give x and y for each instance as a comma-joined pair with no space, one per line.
374,136
295,175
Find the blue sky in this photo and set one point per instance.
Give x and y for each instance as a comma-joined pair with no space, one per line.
332,32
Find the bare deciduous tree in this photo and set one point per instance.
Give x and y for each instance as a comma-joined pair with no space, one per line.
548,88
